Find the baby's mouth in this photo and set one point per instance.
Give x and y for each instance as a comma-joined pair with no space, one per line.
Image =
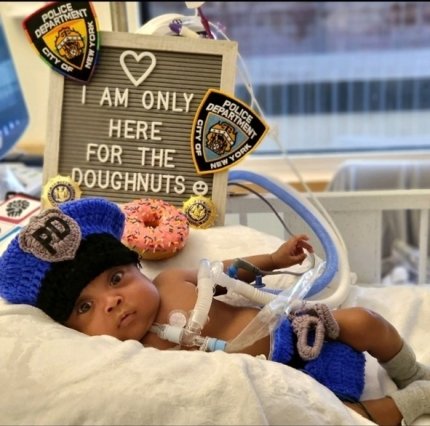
126,319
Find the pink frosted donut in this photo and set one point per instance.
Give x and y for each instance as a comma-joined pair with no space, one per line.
154,228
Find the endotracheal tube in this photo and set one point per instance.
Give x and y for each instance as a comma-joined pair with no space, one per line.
189,335
188,332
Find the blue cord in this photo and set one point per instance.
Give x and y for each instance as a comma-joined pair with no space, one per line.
330,250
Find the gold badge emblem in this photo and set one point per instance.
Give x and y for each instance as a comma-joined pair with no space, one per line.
60,189
200,212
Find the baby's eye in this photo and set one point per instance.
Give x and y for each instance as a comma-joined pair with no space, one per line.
116,278
84,307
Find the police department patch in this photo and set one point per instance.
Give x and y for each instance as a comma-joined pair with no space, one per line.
65,34
224,131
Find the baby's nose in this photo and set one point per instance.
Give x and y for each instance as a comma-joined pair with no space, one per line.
112,302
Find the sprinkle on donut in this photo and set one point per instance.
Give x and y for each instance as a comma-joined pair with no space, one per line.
154,228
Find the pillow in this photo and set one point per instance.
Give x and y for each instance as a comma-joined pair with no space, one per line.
54,375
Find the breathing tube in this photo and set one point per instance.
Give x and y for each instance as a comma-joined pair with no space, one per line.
188,333
275,305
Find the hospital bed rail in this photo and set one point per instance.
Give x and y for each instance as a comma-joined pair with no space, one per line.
357,215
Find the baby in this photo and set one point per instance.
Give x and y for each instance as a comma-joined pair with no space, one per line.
70,263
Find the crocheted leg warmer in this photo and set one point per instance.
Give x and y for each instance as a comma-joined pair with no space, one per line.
404,369
413,401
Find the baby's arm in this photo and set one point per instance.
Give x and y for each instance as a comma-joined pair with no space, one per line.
290,253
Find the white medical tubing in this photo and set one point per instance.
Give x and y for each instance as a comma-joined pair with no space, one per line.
168,332
284,301
205,286
177,334
240,287
274,306
189,335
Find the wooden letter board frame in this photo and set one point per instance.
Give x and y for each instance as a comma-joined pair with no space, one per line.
124,139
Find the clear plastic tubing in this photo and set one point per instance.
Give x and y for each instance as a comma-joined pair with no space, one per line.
265,320
240,287
205,285
190,334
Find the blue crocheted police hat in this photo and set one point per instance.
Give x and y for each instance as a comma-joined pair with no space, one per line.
60,251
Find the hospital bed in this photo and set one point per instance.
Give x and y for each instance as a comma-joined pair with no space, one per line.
379,174
54,375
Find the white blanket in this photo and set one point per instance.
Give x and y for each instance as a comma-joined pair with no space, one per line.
408,308
52,375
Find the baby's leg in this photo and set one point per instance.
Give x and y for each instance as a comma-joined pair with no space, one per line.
407,404
381,411
365,330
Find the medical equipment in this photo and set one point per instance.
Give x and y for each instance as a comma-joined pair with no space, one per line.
187,333
334,271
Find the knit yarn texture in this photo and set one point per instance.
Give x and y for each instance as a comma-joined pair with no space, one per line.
338,366
54,286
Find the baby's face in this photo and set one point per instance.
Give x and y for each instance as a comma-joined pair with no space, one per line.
120,302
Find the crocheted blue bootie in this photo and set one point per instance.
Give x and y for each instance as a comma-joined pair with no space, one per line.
340,368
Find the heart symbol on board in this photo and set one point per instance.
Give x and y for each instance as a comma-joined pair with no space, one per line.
138,58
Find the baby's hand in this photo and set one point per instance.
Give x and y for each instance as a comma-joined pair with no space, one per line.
292,252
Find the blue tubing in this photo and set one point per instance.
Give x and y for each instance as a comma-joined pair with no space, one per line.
329,246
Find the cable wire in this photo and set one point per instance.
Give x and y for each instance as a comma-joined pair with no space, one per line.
265,201
276,272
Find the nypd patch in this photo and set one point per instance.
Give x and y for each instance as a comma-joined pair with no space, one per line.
66,36
224,131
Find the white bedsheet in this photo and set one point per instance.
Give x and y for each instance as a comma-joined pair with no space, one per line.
51,375
408,308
